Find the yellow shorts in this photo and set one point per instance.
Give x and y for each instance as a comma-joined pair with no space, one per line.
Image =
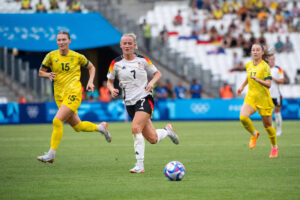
71,100
262,111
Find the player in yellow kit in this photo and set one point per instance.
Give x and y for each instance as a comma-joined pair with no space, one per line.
65,66
258,97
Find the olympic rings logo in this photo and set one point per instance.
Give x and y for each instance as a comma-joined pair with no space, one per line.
200,108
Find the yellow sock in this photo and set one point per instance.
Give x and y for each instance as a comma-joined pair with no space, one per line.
247,123
57,133
85,126
272,135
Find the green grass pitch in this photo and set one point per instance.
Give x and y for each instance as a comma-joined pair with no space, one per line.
218,162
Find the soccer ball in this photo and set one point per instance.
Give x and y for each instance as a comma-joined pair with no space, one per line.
174,171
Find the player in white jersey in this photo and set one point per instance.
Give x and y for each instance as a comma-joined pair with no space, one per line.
132,71
277,79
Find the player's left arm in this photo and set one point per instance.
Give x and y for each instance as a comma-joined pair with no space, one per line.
90,85
156,77
267,77
266,83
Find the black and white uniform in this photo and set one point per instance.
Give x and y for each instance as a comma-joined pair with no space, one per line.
132,75
277,73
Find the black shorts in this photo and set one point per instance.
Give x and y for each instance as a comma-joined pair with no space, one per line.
277,101
145,104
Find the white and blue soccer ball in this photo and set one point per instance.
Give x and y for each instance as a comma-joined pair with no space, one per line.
174,171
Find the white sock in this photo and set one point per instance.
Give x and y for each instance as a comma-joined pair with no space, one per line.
139,148
278,120
100,127
52,152
161,134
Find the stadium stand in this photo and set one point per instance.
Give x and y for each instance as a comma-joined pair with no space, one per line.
219,64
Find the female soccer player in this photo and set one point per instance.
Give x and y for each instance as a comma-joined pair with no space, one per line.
277,79
65,72
258,97
132,70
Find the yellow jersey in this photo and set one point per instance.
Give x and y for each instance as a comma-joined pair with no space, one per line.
258,95
67,69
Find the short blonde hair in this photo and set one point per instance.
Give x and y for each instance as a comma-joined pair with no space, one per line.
133,36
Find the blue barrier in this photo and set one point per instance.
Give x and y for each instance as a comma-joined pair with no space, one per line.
182,109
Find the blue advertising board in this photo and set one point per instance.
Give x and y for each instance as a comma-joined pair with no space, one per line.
200,109
32,113
9,113
182,109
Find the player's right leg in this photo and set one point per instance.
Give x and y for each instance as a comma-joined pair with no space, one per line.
138,123
245,113
87,126
61,116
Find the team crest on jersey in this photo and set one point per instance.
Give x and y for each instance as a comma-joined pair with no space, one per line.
56,60
72,59
139,64
123,67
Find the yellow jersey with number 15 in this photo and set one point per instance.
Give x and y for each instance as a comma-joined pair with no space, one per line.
258,94
67,69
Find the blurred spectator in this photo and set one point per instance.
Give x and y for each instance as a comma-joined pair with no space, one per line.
225,7
222,31
295,10
104,93
213,34
247,46
163,35
226,41
161,92
242,12
169,88
279,46
247,24
263,19
195,89
217,13
147,35
262,40
92,96
40,7
25,4
288,46
287,15
83,93
226,92
235,6
241,41
237,63
75,6
194,22
54,5
22,99
232,27
198,3
278,16
178,19
180,90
